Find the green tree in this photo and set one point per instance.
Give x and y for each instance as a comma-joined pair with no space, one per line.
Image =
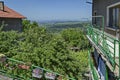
75,37
48,50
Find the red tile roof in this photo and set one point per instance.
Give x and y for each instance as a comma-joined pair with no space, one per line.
9,13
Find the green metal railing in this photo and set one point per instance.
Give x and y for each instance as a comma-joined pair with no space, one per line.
94,73
107,44
21,71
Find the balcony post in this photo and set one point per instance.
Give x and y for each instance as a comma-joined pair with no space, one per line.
118,38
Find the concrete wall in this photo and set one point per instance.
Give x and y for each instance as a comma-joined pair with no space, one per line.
11,24
100,7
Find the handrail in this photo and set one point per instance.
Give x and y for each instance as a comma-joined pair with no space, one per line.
100,16
109,46
94,73
20,70
119,60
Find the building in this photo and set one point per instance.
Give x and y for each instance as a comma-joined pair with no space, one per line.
104,36
11,19
110,9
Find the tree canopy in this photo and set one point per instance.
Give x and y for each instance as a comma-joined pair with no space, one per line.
48,50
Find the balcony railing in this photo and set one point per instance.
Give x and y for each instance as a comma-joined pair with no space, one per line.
21,71
107,44
93,70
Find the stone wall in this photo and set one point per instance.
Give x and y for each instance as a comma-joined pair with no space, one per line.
11,24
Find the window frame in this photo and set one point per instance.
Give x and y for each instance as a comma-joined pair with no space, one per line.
108,12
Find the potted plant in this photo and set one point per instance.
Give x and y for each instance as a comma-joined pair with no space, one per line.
49,75
37,73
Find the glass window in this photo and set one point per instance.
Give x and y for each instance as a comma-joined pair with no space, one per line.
114,16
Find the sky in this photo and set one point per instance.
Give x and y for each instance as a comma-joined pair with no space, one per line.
51,9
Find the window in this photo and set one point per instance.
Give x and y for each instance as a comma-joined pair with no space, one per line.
114,17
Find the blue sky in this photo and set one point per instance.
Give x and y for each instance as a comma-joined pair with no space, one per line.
51,9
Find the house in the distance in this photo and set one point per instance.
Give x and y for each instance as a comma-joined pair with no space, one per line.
11,19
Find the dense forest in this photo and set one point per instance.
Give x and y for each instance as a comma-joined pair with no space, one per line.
64,52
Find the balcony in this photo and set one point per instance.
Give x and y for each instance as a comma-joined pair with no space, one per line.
107,46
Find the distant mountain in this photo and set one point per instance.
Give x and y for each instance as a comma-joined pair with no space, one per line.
56,21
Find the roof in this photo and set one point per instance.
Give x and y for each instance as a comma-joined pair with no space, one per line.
9,13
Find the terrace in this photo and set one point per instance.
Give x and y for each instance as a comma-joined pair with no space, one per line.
107,46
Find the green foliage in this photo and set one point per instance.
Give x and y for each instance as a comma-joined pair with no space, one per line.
8,40
27,24
2,24
35,45
74,37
